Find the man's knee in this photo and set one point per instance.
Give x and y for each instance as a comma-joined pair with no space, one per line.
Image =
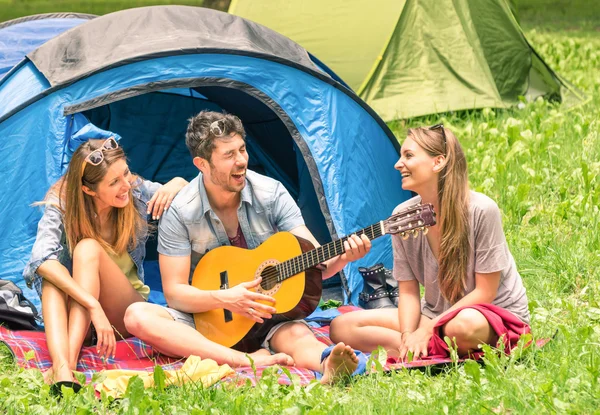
336,328
139,318
292,332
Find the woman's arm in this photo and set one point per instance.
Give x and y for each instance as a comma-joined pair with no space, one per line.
409,305
45,257
409,311
57,274
161,196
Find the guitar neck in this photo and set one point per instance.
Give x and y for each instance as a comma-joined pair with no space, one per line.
323,253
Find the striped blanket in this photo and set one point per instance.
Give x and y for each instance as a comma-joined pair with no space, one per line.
30,352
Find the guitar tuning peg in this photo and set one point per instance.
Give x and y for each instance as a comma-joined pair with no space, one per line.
425,230
404,235
415,233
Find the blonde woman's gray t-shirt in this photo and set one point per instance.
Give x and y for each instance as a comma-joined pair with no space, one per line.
413,259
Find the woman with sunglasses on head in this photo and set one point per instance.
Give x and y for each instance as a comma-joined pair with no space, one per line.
86,263
472,290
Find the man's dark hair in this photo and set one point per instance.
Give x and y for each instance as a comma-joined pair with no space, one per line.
200,138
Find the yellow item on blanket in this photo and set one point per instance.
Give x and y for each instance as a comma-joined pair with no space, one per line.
194,369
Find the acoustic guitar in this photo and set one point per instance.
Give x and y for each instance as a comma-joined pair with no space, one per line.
287,265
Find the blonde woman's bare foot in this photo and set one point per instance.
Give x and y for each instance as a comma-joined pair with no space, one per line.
263,357
48,376
58,374
339,364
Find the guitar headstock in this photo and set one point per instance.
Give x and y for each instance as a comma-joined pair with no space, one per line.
412,220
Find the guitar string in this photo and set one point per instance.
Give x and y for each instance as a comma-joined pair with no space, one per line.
296,265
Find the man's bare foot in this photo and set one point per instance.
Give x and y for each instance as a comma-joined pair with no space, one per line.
263,357
340,363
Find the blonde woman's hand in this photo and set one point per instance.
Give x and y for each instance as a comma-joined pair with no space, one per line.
164,196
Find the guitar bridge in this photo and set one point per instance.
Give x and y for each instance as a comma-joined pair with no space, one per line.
227,314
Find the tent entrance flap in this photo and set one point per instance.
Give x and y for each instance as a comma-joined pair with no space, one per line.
153,124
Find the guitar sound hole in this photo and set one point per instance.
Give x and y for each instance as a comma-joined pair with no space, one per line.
269,275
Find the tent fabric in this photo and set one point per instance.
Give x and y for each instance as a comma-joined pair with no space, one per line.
412,58
20,36
331,151
165,30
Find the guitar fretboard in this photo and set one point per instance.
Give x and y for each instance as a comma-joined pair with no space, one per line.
321,254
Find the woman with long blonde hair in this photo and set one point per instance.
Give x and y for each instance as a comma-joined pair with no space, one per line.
471,283
86,263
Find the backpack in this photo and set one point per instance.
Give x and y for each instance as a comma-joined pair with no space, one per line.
16,311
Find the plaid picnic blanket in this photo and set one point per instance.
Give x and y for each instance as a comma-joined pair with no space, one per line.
31,352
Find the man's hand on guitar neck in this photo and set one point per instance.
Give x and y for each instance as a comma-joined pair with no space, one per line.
242,300
355,248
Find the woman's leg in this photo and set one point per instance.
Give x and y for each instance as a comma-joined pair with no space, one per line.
469,328
367,330
54,310
98,274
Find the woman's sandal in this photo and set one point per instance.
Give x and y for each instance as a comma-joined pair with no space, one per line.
56,388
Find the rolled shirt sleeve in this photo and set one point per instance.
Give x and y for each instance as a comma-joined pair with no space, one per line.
285,211
173,236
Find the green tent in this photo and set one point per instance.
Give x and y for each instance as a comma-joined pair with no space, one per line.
408,58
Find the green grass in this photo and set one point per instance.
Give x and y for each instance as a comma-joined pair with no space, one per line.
541,164
560,14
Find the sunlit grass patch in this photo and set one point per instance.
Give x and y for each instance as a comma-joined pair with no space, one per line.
541,163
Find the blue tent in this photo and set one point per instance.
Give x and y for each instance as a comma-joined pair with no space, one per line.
20,36
141,73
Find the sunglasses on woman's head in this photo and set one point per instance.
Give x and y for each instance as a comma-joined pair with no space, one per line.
97,156
440,127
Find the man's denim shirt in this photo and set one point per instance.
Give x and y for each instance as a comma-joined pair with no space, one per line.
51,241
190,227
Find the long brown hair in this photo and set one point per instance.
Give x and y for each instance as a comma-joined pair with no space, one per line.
453,215
78,207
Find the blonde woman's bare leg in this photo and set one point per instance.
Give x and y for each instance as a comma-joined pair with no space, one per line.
98,274
54,311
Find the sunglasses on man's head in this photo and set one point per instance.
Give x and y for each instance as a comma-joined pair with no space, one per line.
219,128
97,156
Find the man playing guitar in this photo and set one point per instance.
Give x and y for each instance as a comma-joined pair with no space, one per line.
230,205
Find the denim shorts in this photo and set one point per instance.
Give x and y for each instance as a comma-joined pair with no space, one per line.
188,319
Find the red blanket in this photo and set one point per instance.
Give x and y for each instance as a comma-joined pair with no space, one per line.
31,352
